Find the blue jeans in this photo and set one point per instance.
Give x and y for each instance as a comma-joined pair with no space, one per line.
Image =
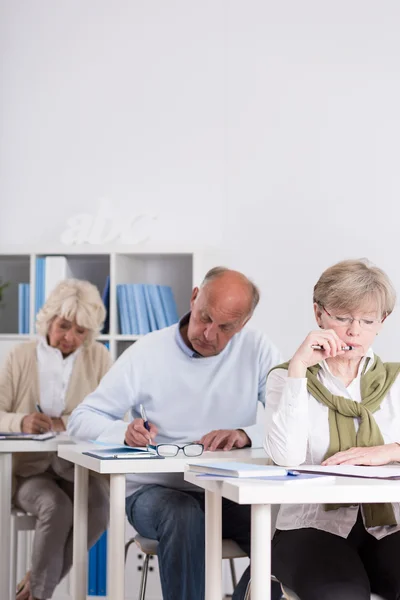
176,520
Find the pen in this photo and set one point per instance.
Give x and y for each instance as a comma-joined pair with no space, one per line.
317,347
145,421
39,410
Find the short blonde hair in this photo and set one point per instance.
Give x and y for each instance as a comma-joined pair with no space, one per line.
351,284
73,299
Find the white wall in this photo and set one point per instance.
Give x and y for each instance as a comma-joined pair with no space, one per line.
267,129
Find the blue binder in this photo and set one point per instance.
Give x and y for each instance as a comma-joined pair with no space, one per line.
106,301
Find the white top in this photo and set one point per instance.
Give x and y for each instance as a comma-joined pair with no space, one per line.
297,432
54,374
184,395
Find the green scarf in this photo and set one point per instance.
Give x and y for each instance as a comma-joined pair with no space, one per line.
375,384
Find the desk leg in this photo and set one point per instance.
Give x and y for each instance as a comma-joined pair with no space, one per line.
116,537
7,587
213,515
261,552
79,572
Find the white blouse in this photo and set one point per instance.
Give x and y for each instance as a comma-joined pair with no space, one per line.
54,375
297,432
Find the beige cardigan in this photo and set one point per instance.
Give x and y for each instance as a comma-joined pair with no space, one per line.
19,393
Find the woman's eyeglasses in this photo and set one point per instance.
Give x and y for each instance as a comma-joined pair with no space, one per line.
169,450
347,321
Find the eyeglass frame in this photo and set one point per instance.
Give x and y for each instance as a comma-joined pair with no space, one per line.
156,446
374,323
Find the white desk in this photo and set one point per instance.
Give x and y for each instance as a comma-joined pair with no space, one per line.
7,449
261,495
117,469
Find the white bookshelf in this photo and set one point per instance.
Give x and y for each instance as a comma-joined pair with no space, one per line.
179,269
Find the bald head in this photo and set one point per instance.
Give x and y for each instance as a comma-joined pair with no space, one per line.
219,309
232,287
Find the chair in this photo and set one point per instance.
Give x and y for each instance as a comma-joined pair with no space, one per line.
230,550
20,521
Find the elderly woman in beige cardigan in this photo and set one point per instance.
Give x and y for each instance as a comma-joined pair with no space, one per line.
54,372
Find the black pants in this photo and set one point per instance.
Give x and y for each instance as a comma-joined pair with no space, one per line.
317,565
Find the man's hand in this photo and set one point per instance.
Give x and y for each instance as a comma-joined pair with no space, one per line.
375,455
36,423
225,439
57,424
137,434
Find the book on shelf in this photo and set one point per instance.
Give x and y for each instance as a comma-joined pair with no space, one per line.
56,270
133,325
155,302
143,308
140,308
106,301
23,307
168,302
123,314
40,283
151,312
50,270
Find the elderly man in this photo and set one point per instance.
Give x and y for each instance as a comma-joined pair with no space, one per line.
199,380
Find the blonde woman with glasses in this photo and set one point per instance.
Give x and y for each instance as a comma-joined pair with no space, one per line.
337,402
41,383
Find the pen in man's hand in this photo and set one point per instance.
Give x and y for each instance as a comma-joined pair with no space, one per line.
145,421
39,410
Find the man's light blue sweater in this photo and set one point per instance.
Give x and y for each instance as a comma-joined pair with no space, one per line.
184,395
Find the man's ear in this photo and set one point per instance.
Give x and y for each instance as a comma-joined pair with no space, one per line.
195,293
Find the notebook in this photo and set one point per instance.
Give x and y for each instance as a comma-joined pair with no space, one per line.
40,437
111,452
238,469
385,472
290,478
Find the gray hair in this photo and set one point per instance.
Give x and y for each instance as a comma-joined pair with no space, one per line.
217,272
73,299
352,283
